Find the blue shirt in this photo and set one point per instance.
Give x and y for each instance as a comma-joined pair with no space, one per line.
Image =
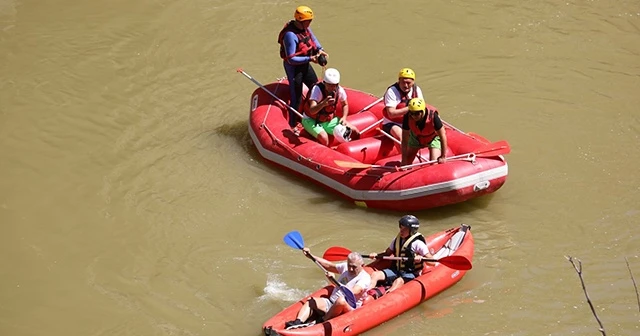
290,41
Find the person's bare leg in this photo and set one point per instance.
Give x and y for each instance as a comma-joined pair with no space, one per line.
375,277
409,156
434,153
397,283
323,138
339,307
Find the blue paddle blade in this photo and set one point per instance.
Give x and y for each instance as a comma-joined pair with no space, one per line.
348,296
294,239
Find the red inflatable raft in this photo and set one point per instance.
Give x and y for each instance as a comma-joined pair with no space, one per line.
367,170
456,242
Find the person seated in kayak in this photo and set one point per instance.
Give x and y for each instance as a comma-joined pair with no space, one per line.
411,245
422,128
325,100
352,275
299,47
396,99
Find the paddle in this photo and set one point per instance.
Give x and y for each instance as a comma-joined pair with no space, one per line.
294,239
400,143
488,150
478,137
269,92
371,126
336,253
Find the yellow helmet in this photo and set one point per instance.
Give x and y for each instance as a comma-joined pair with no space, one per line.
303,13
417,104
407,73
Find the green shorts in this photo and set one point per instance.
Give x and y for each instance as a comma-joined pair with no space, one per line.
314,128
413,142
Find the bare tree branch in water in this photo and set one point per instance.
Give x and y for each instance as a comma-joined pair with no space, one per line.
634,282
578,268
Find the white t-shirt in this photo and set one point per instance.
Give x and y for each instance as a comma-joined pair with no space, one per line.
317,96
393,97
362,279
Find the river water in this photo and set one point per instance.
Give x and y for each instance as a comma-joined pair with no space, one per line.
132,201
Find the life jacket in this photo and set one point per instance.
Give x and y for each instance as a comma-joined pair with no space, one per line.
405,252
428,133
329,111
306,45
403,102
377,292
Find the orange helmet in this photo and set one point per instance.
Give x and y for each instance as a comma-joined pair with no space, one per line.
303,13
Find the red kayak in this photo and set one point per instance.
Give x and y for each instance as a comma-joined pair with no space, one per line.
454,247
367,170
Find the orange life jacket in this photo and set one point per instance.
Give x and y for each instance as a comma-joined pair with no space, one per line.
428,133
328,112
306,45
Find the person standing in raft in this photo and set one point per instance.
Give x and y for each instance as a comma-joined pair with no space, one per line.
298,48
325,100
396,99
410,244
352,275
422,128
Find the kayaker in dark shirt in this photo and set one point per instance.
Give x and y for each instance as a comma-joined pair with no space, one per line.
411,244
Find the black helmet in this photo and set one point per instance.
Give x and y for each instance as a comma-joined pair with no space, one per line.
410,221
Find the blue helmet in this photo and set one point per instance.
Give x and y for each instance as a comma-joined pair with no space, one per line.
410,221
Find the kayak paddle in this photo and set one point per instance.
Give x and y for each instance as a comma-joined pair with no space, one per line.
336,253
295,240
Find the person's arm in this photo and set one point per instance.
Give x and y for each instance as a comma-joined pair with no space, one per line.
316,101
406,132
362,285
442,133
328,265
421,251
391,101
387,252
315,39
290,43
342,94
315,106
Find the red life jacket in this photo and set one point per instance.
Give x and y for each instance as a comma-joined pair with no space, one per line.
428,133
306,45
403,102
329,111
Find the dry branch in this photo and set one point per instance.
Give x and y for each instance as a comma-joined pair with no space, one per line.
578,268
634,283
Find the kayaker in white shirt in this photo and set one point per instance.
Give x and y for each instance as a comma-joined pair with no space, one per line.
352,275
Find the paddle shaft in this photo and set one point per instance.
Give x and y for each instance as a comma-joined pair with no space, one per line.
371,126
401,258
456,262
295,240
358,165
470,134
332,279
400,143
270,93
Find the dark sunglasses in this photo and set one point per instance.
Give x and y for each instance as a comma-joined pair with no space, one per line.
415,113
